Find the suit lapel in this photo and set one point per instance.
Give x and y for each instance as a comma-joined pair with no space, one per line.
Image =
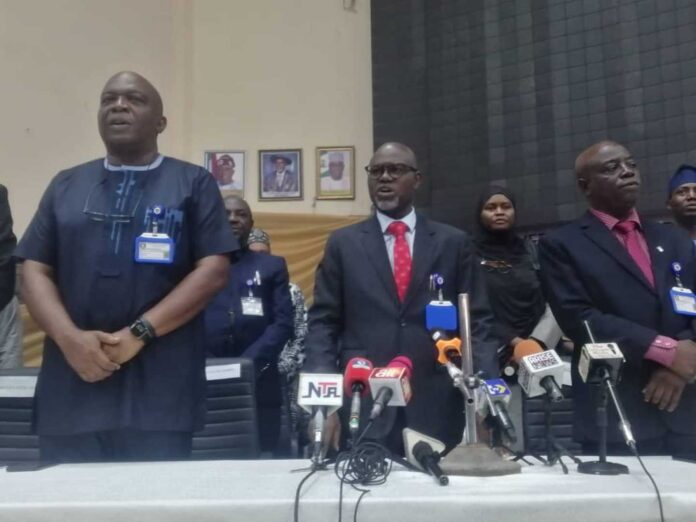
422,257
599,234
376,252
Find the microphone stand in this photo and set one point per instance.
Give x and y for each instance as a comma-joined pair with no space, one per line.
555,451
601,466
471,457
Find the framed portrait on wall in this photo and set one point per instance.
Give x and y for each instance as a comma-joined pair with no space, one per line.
280,174
227,167
336,172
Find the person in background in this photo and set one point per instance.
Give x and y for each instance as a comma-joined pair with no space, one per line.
10,322
252,318
292,357
511,271
681,198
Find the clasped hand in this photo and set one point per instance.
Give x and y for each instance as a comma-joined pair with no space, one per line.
96,355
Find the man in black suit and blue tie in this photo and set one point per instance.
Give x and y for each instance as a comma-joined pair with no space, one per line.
372,288
616,270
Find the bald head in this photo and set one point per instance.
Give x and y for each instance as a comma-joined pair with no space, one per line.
130,119
233,199
394,152
143,83
608,176
587,156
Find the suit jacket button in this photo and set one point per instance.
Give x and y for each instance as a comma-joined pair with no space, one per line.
403,324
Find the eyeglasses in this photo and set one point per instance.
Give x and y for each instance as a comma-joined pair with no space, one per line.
395,170
97,203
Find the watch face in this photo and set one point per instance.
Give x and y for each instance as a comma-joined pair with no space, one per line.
138,329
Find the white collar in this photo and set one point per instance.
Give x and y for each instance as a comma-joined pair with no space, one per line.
385,221
137,168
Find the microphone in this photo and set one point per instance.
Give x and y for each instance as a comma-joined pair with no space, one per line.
449,354
429,460
598,358
539,371
356,383
496,398
391,385
601,363
528,346
320,394
425,452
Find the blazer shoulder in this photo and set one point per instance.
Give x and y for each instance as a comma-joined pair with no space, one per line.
351,230
564,232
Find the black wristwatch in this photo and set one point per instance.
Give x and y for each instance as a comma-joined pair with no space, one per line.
143,330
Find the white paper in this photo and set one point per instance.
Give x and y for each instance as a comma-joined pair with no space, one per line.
223,371
20,386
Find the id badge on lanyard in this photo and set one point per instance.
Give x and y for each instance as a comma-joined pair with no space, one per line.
439,313
252,305
683,299
152,246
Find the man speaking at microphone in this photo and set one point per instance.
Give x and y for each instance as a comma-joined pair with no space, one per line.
618,272
372,288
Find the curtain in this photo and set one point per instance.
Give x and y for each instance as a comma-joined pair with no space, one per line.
299,238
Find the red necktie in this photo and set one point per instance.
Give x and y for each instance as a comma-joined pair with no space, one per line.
402,257
629,231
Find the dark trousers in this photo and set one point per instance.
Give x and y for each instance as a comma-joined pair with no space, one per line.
126,445
672,444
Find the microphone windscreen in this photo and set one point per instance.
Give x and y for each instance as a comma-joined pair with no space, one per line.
402,362
358,371
526,347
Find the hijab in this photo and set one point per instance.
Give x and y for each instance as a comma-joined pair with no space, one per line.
503,245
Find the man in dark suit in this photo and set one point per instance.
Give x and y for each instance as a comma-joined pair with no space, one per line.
252,317
372,288
613,269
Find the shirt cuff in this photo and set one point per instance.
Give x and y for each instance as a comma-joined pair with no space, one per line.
663,350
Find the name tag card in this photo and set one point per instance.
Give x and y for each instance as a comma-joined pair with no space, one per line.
154,248
223,371
683,300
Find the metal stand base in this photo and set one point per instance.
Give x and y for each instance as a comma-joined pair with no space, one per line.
477,460
599,467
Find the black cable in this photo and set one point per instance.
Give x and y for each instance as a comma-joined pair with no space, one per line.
364,432
657,490
367,464
297,494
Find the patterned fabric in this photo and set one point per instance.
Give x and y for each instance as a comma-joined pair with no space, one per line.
292,356
291,359
402,257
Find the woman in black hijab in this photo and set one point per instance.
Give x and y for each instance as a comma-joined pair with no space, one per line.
510,268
